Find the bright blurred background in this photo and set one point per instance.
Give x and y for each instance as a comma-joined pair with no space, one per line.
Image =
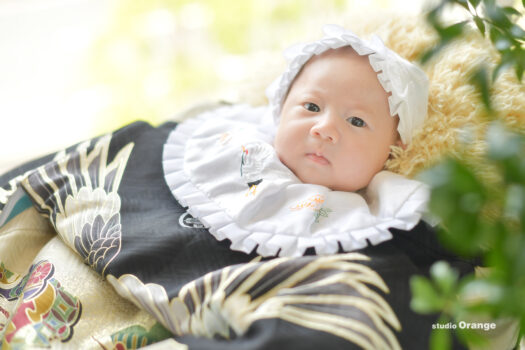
73,69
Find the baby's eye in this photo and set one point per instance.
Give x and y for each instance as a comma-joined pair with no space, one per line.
356,121
312,107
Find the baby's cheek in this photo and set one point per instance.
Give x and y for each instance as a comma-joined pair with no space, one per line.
283,154
277,143
286,155
280,146
283,139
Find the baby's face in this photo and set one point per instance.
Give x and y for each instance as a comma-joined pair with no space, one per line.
335,128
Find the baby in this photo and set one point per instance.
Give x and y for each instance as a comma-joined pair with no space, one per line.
307,170
335,127
339,119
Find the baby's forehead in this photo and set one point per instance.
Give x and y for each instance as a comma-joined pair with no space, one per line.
345,53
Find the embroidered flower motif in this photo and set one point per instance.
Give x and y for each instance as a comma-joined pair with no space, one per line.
321,212
314,203
225,138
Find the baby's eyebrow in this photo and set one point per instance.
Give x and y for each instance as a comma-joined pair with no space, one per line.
313,91
360,109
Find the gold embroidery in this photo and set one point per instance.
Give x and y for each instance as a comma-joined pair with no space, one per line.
313,203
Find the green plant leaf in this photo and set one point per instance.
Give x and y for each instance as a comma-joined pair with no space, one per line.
480,24
444,277
440,339
457,198
425,298
513,169
479,291
494,34
502,44
443,204
513,247
463,179
500,67
502,143
471,202
462,202
438,175
461,235
517,32
497,15
432,16
511,11
428,54
462,3
516,250
519,64
496,257
471,338
451,32
474,3
480,80
454,188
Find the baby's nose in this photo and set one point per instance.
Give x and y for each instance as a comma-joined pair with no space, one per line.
326,128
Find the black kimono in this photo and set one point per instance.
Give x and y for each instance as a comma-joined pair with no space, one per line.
107,201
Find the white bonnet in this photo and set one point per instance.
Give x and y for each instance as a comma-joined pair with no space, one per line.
407,82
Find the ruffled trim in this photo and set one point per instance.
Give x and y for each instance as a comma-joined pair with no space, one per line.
407,83
389,210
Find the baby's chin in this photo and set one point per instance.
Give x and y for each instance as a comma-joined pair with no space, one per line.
318,179
307,176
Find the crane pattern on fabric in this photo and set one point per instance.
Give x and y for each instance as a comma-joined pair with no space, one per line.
78,192
252,159
10,188
334,294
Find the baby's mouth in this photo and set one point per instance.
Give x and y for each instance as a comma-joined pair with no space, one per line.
317,158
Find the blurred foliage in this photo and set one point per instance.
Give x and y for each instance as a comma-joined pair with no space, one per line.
499,23
458,199
461,201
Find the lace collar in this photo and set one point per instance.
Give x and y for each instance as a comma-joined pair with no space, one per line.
223,167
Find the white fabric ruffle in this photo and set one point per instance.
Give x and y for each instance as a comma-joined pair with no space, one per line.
222,166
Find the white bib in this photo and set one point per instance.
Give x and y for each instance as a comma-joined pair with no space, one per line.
223,167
